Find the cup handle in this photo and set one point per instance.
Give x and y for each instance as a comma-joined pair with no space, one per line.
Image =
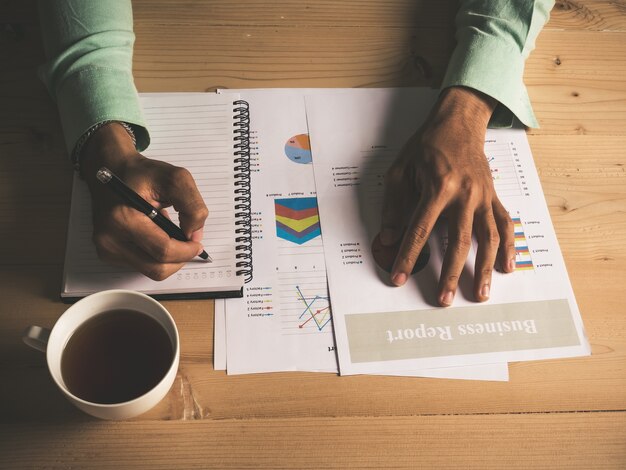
36,337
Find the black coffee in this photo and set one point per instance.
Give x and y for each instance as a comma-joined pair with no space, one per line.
116,356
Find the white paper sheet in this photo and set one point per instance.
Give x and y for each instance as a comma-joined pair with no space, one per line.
284,321
219,335
532,313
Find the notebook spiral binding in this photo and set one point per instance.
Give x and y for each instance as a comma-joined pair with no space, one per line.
243,205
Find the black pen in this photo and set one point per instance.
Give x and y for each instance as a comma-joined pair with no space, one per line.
108,178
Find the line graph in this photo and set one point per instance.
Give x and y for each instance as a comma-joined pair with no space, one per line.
304,301
507,174
321,316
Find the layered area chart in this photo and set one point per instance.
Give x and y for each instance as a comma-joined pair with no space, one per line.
297,219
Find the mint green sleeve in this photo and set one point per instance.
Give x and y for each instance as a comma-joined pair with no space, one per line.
494,38
88,68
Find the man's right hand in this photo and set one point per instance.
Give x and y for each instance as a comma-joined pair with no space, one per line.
443,171
125,236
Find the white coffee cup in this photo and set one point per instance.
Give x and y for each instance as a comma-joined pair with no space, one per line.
52,342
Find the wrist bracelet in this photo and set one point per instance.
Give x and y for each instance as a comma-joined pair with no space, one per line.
76,154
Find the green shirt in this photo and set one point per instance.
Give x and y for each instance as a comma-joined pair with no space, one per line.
89,50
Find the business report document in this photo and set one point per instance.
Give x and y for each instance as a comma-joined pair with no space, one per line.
532,313
284,321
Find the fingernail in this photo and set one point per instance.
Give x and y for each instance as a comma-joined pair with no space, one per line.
399,279
388,236
447,298
511,265
484,291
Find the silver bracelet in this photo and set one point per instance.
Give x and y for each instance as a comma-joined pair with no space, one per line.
76,154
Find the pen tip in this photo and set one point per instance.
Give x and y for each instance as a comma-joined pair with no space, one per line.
205,256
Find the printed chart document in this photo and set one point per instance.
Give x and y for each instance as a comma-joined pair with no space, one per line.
284,321
196,131
532,313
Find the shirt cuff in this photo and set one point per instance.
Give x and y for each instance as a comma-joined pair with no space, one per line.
488,65
96,94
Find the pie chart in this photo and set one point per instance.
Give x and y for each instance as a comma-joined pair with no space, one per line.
298,149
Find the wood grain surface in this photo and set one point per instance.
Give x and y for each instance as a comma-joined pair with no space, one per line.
552,414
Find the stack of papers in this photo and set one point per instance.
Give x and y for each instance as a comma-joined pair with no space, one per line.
320,302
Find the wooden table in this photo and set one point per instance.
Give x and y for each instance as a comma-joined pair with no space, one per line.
563,413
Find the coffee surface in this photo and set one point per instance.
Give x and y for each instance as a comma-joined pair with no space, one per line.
116,356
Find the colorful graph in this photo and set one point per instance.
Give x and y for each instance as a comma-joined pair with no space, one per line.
523,260
316,310
507,179
304,300
298,149
297,219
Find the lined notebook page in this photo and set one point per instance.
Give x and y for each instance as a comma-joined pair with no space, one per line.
191,130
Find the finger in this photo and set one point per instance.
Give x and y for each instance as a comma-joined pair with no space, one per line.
506,230
156,243
394,204
415,238
197,236
164,213
124,253
126,225
488,242
459,243
180,189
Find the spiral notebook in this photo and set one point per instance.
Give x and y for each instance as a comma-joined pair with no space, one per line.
209,135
